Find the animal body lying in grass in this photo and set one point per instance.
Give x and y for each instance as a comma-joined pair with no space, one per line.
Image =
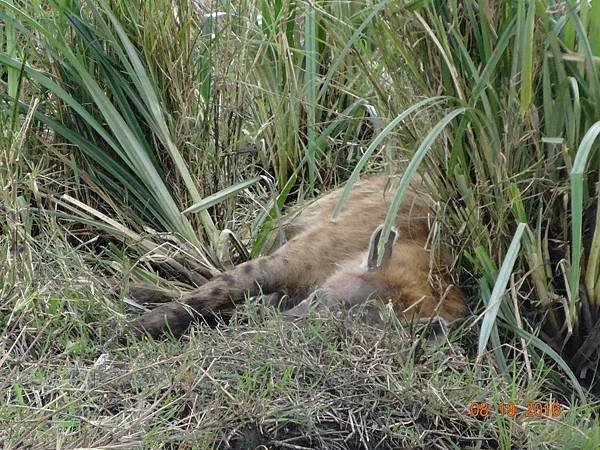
333,263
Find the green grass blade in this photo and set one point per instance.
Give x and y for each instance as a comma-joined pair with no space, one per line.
220,196
577,173
11,49
592,274
584,44
411,169
489,319
526,50
594,28
264,223
310,49
423,104
67,98
146,89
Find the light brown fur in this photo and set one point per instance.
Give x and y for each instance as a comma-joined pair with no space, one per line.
333,256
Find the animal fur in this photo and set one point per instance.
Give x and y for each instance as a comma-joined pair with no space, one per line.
329,263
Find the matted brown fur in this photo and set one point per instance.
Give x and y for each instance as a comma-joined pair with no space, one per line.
334,256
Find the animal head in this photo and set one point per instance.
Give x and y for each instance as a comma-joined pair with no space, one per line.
400,276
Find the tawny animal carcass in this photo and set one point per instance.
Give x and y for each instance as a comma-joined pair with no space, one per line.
334,263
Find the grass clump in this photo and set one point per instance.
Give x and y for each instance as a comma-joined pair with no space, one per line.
524,152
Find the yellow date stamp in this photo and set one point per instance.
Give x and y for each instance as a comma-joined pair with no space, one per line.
511,409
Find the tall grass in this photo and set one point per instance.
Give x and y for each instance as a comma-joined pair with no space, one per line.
120,71
525,153
103,69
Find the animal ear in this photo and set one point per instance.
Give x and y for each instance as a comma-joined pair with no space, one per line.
374,250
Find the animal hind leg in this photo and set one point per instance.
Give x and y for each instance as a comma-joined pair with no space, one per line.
219,295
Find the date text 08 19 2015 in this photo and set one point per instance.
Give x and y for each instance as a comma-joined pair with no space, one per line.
511,409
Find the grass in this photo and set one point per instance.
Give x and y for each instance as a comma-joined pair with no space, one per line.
131,112
260,380
527,140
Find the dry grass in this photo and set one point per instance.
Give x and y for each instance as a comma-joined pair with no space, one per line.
68,382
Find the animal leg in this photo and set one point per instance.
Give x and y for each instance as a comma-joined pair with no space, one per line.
219,295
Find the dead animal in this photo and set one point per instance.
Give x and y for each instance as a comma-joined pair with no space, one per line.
334,263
